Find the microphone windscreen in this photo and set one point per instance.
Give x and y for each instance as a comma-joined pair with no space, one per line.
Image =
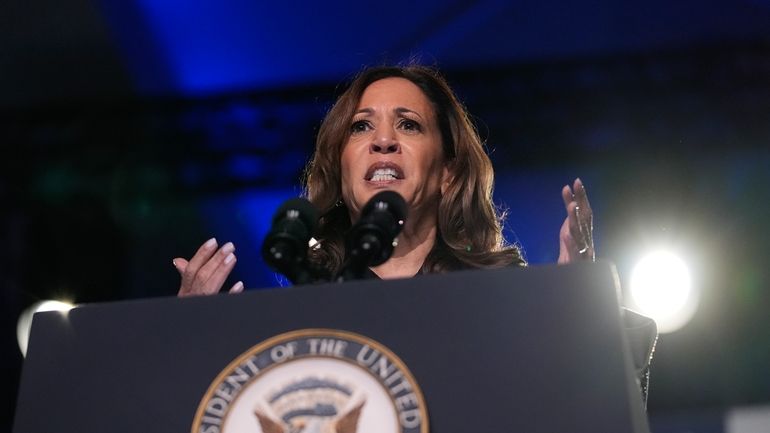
305,211
391,200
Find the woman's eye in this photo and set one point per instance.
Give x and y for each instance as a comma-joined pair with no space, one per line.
410,125
359,126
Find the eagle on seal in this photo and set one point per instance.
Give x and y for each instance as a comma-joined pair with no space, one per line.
346,423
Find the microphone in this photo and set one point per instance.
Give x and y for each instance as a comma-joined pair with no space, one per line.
370,241
285,247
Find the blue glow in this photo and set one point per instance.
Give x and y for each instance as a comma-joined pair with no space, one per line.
536,210
245,167
204,47
218,46
245,218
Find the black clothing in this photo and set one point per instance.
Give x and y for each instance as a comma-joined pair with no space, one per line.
642,334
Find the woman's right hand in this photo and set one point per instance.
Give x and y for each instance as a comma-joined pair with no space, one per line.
207,270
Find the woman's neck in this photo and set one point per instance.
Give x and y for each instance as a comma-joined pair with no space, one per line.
414,245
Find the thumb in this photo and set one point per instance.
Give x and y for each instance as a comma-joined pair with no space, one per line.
180,264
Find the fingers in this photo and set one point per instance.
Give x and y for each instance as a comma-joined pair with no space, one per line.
212,275
576,236
237,287
567,196
584,231
572,206
208,269
579,189
200,258
584,207
573,220
180,264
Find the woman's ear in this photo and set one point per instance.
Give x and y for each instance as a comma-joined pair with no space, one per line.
447,176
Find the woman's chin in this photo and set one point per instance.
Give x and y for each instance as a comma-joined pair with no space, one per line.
370,189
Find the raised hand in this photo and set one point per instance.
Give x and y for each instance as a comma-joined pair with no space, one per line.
576,240
207,270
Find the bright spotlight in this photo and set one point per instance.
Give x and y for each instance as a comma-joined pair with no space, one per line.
661,288
24,325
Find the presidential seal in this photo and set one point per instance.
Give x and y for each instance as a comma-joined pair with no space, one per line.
314,381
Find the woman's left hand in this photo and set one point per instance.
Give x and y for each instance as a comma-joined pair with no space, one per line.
576,240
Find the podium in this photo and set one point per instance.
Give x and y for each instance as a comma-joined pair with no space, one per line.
529,350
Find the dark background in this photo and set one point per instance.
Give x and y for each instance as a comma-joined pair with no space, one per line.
132,131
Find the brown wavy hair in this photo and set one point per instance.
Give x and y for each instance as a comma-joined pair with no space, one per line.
469,226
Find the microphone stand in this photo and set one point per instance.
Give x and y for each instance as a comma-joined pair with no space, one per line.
357,264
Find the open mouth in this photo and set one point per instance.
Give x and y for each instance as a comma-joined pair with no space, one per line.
384,172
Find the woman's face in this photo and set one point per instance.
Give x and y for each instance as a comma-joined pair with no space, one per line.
395,144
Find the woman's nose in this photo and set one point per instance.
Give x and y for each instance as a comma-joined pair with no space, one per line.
384,144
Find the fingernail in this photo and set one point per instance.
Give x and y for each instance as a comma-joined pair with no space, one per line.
228,248
173,262
238,287
230,257
210,243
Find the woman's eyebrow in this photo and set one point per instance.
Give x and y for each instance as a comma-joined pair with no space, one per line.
402,110
398,110
368,111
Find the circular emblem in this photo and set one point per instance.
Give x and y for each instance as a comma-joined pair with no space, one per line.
314,381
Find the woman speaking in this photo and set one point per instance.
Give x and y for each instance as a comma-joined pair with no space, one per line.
403,129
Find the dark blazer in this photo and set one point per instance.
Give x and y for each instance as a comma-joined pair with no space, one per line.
642,334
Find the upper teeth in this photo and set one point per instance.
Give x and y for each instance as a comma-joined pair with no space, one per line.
382,174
